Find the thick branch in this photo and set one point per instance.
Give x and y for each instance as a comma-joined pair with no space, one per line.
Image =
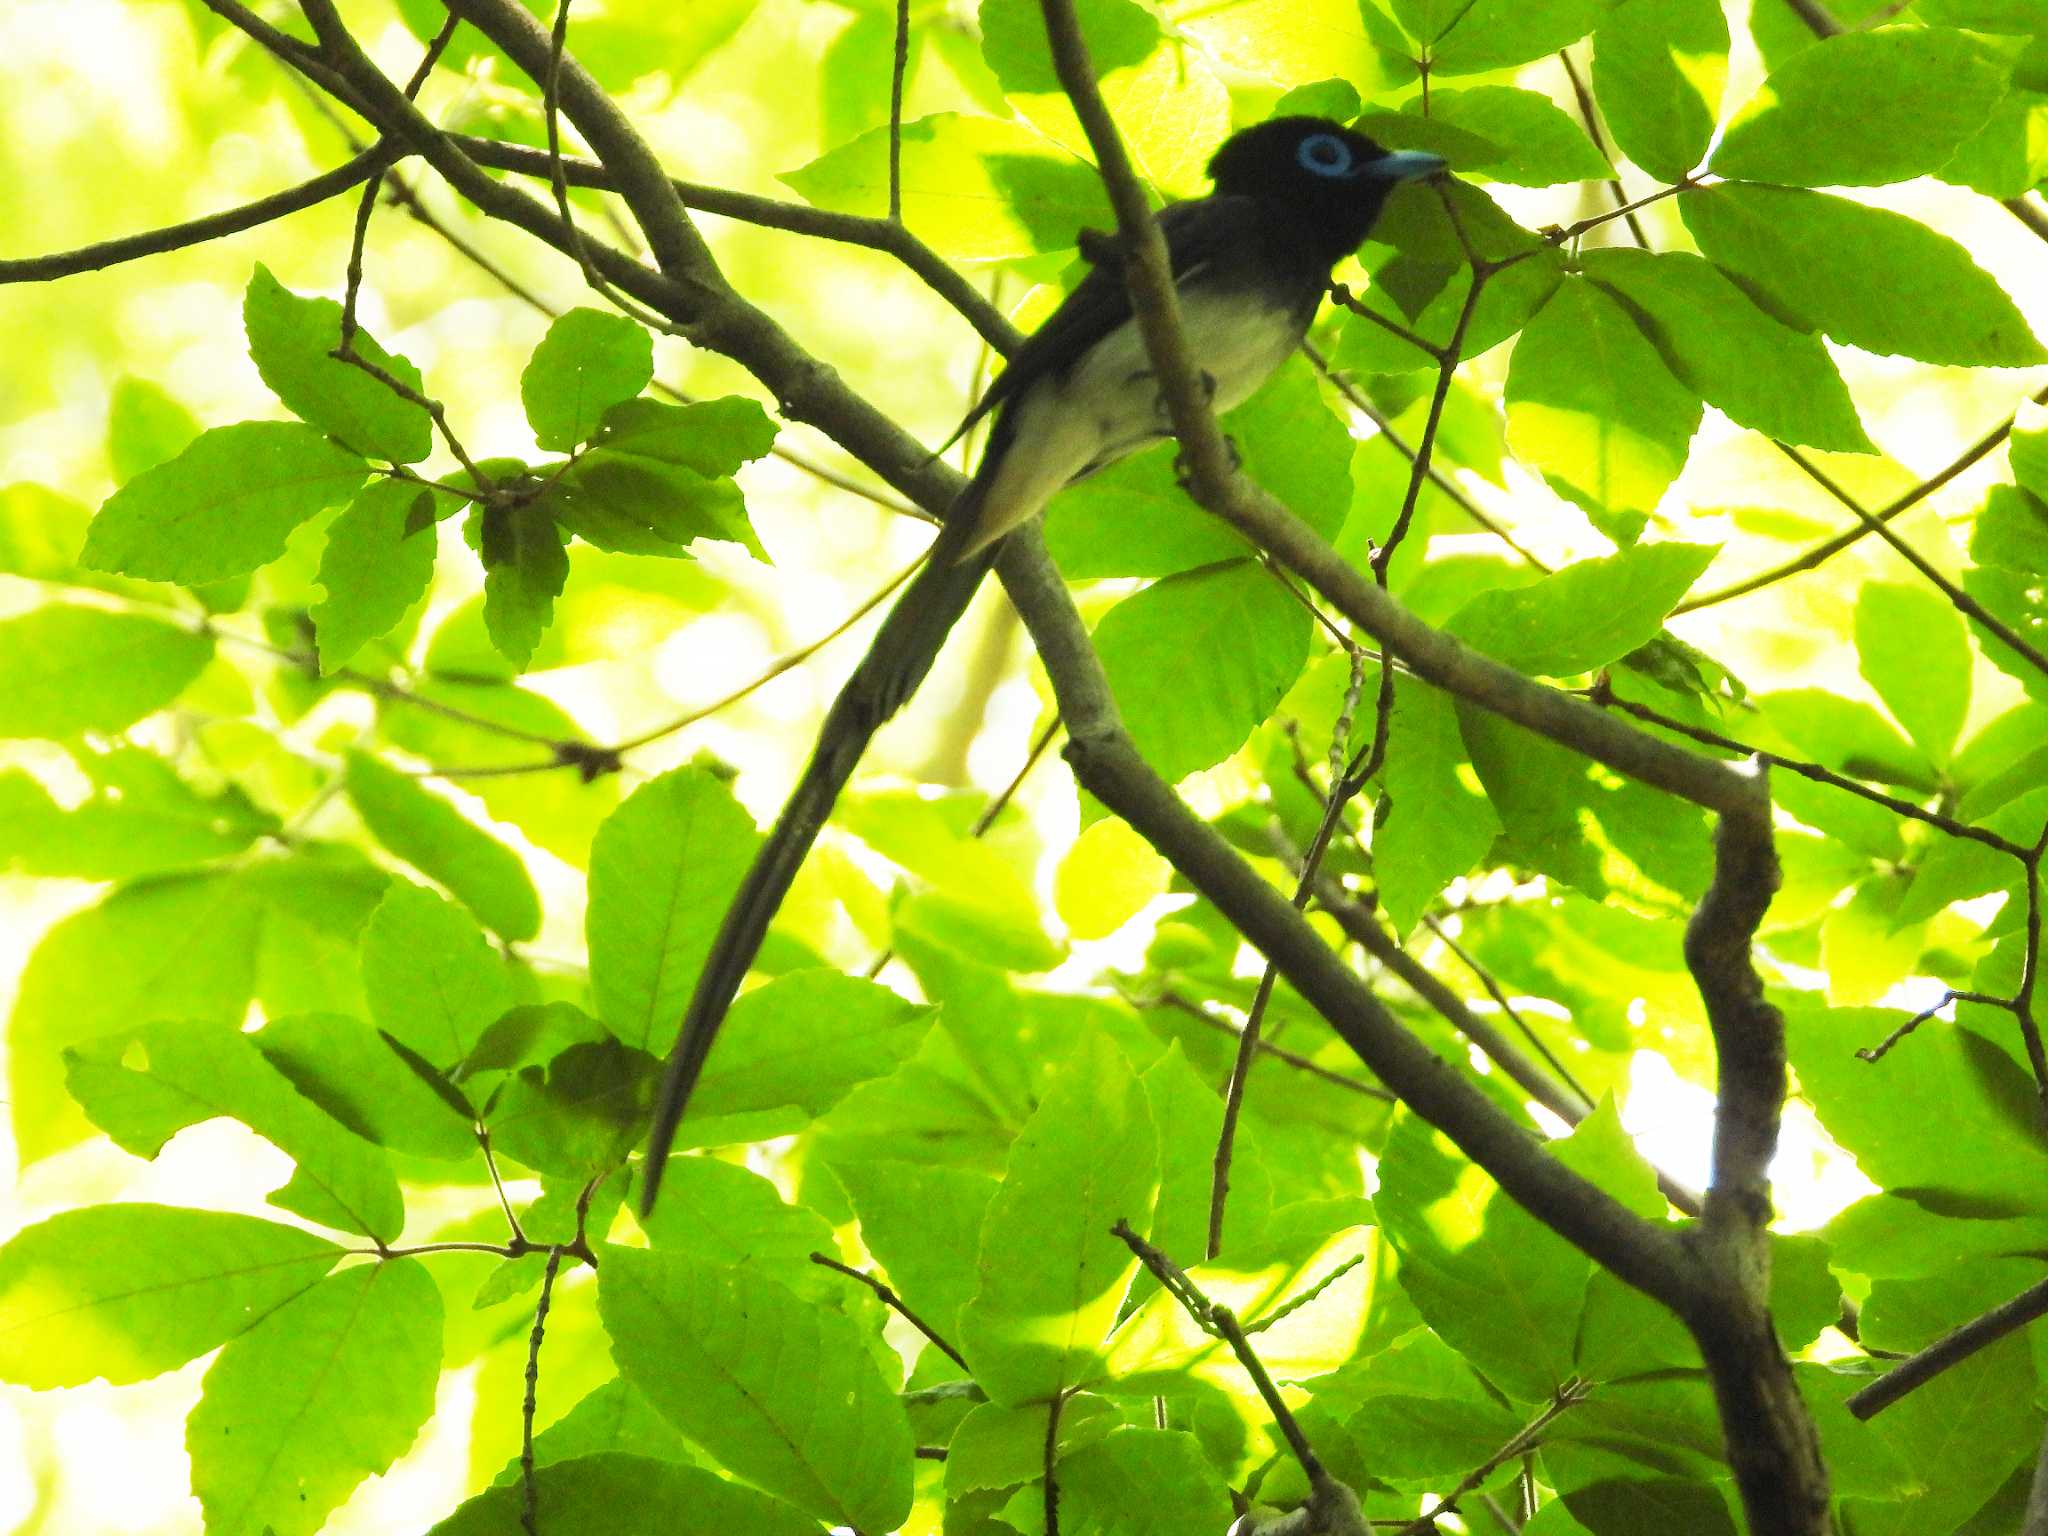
1770,1436
1216,484
1645,1254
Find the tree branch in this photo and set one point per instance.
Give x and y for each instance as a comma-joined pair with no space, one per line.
1951,1349
792,218
1645,1254
1828,548
352,172
1770,1437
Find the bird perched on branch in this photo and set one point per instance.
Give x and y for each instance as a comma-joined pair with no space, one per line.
1251,261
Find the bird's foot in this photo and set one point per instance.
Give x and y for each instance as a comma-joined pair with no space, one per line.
1184,472
1100,248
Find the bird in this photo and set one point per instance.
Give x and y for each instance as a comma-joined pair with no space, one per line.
1251,261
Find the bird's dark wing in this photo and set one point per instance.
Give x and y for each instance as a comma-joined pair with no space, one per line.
1195,230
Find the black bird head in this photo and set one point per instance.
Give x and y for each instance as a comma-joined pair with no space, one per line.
1325,177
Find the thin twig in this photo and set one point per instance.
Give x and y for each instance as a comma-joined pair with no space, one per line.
1603,694
1820,553
361,167
777,667
1493,988
1217,1320
1570,1395
1194,1010
1049,1456
1590,116
897,68
1958,599
483,1141
896,1304
1951,1349
1878,1052
1357,400
529,1512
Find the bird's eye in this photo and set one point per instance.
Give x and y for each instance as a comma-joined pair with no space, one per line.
1324,154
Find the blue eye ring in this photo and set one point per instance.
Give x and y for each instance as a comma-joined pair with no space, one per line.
1324,154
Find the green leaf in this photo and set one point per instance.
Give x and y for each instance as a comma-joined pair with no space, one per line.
378,563
70,668
1585,616
1945,1113
222,507
2008,156
1423,286
1431,828
983,895
1143,1482
1468,37
589,361
434,983
783,1392
558,811
2011,531
1118,33
728,1217
41,534
1540,792
1915,652
614,1494
1846,735
1864,108
1658,70
803,1041
998,1447
1592,407
1135,520
1086,1160
1187,1111
145,1087
2028,447
1500,1288
923,1222
974,188
185,947
1957,869
525,565
127,1292
712,437
329,1389
1414,1436
1498,132
1291,42
1662,1504
438,840
139,818
349,1070
1233,626
1959,1439
663,869
658,476
615,1420
290,341
1759,373
1863,276
579,1115
145,426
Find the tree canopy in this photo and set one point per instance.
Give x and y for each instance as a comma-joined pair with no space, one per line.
1460,952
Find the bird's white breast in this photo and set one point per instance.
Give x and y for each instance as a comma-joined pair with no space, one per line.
1107,405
